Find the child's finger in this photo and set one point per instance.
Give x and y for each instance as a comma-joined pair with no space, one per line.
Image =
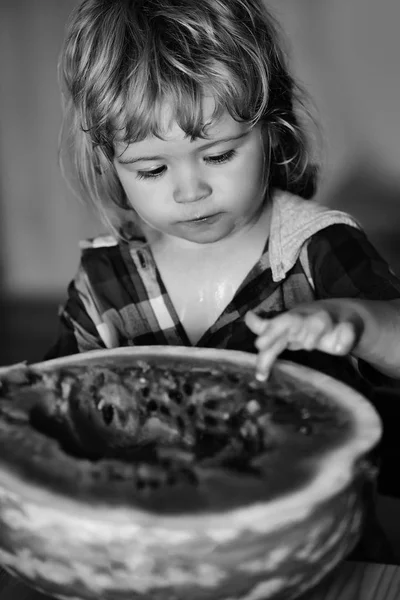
303,331
255,323
339,341
287,324
315,326
267,358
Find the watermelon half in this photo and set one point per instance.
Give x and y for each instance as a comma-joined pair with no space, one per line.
170,473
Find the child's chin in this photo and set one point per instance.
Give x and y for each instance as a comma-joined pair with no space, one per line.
204,232
206,237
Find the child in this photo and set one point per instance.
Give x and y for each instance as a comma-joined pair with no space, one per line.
184,131
182,119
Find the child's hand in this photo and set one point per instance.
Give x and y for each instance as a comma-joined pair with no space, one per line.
309,327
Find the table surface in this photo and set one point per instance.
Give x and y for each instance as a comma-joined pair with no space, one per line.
358,581
350,581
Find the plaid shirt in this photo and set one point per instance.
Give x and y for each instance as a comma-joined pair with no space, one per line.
118,297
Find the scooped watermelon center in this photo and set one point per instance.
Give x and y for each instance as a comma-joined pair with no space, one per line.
153,428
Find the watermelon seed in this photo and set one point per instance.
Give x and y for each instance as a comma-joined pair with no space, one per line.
233,378
180,422
164,410
236,419
211,404
210,421
154,484
189,475
191,410
175,396
188,389
152,406
107,412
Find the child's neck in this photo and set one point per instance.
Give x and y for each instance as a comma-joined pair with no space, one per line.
203,280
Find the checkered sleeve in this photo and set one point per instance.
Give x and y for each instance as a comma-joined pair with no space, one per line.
114,300
344,264
76,330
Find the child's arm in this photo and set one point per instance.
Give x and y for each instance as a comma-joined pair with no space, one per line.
76,330
102,283
368,329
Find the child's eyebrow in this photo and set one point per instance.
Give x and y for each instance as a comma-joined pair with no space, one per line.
132,160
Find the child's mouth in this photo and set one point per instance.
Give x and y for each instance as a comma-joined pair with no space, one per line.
207,219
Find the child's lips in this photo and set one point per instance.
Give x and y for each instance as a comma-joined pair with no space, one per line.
205,219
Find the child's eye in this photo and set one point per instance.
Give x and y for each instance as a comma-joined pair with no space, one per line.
214,160
151,174
221,158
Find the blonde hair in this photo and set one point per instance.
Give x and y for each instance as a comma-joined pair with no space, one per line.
123,58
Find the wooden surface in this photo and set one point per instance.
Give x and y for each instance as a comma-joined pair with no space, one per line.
350,581
358,581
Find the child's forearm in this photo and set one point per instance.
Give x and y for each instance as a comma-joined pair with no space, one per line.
378,328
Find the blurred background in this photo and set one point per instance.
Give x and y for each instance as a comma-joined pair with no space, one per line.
344,51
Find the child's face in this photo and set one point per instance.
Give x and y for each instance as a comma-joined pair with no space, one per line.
173,182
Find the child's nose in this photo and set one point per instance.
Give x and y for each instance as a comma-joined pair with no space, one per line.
190,187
